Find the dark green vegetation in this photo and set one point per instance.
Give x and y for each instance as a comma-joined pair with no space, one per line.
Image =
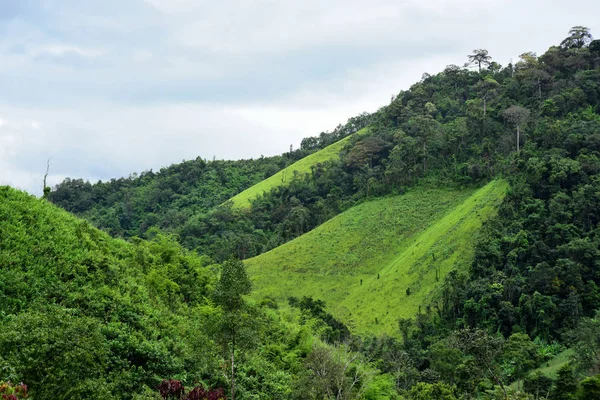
86,316
485,308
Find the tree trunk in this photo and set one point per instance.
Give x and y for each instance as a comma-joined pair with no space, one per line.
498,381
232,377
424,157
518,137
44,190
484,114
484,107
233,369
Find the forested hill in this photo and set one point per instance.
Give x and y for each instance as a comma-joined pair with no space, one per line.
459,126
130,206
532,288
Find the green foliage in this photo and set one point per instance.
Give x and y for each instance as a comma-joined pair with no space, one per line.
538,384
52,346
130,206
565,385
444,359
587,345
381,388
589,388
548,369
520,355
333,374
96,315
428,391
233,284
233,327
88,316
335,332
485,350
398,199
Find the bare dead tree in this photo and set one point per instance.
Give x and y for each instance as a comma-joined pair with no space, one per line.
46,188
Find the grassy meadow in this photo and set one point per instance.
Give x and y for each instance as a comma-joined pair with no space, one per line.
363,261
285,176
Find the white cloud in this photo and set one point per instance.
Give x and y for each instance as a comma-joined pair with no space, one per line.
141,55
109,87
63,50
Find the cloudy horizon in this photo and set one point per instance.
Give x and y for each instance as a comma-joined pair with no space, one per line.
112,87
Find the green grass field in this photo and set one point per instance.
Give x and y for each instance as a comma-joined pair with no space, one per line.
285,176
389,244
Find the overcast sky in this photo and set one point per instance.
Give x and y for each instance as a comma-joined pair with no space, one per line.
109,87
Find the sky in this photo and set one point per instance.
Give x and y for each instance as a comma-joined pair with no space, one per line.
105,88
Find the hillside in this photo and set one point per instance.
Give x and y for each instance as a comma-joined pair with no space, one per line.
363,261
64,282
86,316
373,233
130,206
286,175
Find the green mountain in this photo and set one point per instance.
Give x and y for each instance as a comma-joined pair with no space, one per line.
447,250
364,261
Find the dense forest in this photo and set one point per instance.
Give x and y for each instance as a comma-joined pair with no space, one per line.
160,307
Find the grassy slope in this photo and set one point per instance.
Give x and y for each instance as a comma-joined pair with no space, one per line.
550,368
331,152
396,238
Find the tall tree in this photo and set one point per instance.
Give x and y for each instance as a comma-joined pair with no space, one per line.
587,347
579,36
233,284
486,351
530,72
404,324
453,72
566,384
487,89
517,115
426,130
595,53
480,57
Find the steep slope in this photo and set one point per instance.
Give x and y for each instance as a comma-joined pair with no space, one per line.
363,261
84,315
283,177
